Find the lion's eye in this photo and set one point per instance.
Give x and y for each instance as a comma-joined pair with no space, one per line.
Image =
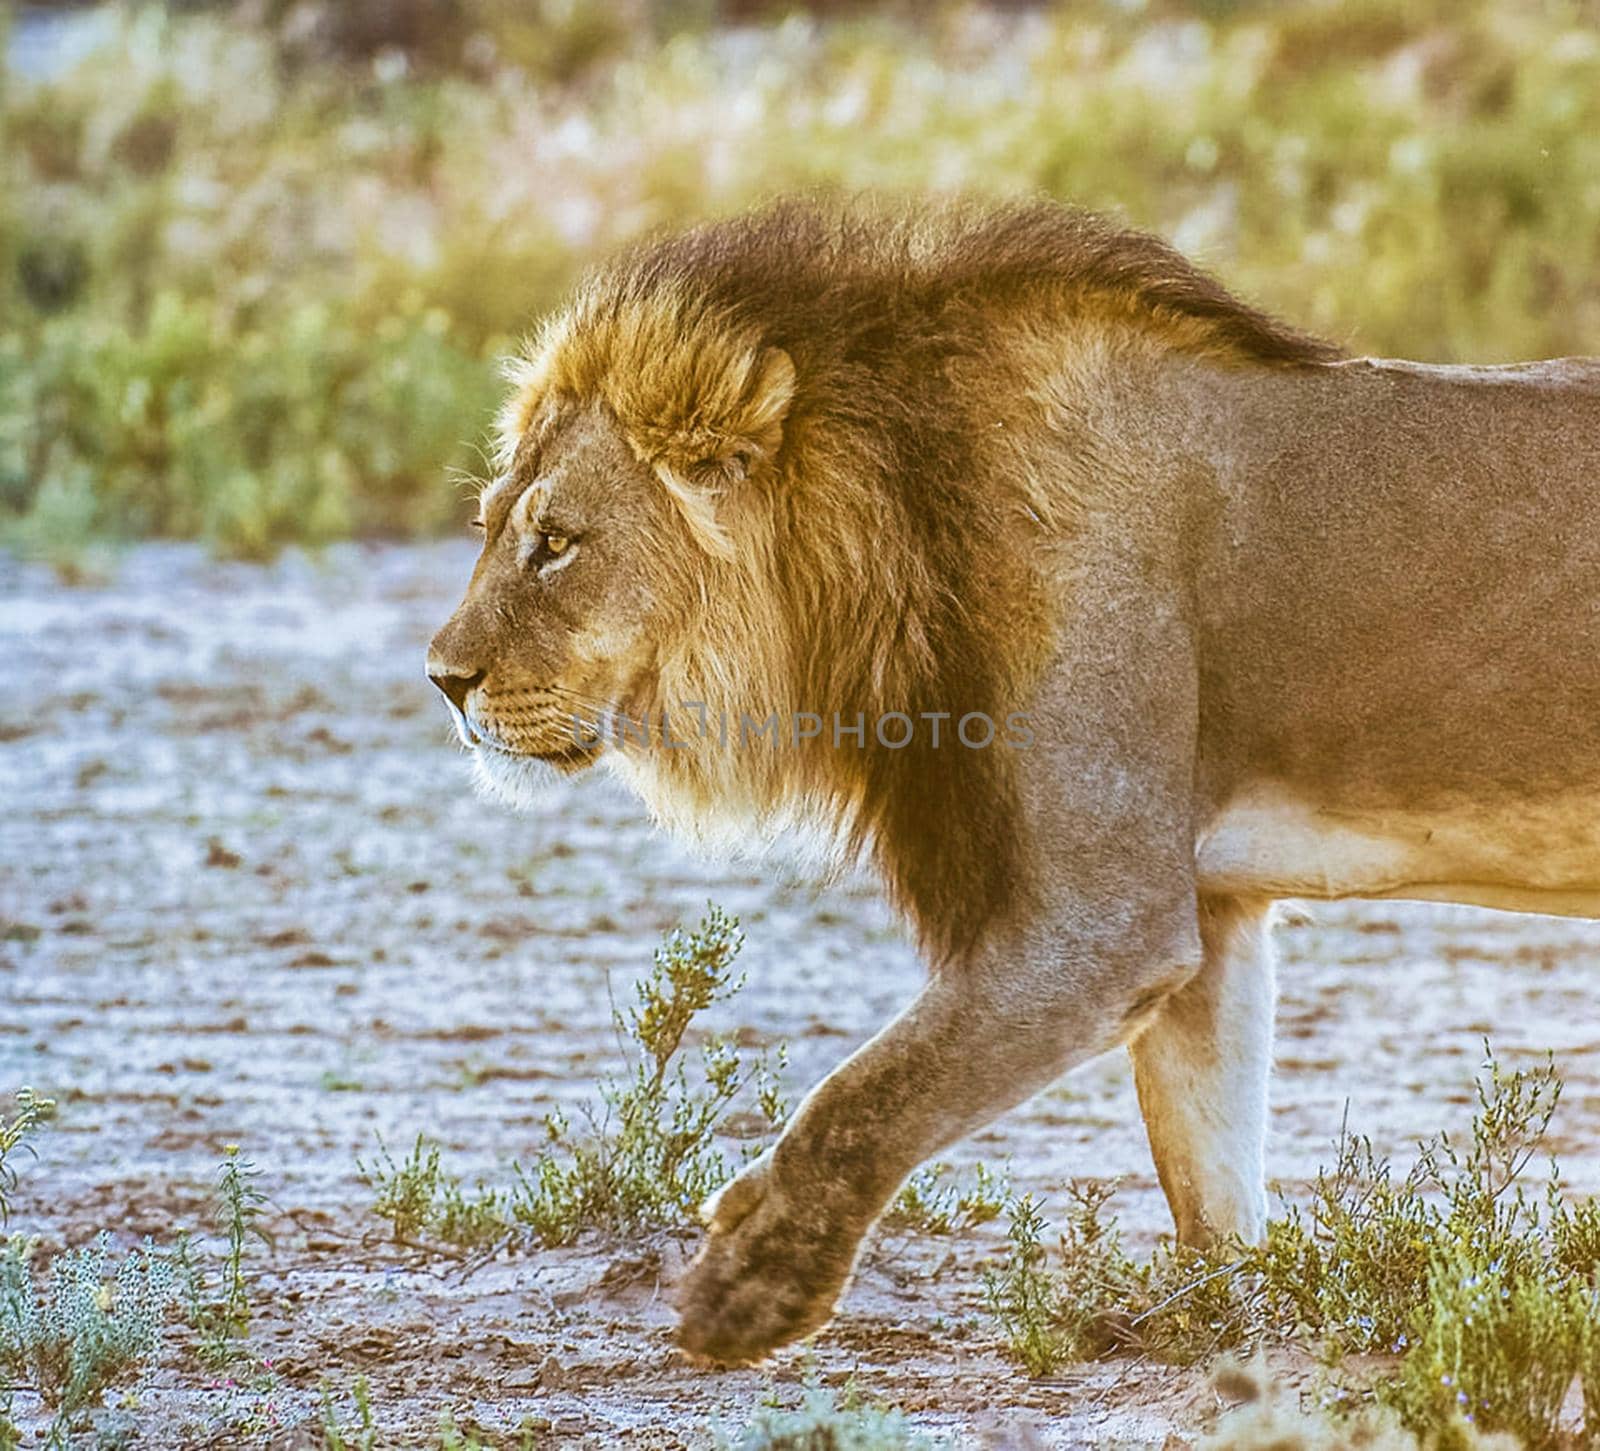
546,548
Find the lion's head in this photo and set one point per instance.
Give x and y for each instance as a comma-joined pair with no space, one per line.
616,544
588,571
803,464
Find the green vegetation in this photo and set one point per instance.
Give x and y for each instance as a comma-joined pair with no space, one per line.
31,1112
337,1435
650,1159
827,1422
427,1205
1478,1294
1044,1314
934,1202
253,282
220,1314
89,1319
649,1156
97,1320
358,1430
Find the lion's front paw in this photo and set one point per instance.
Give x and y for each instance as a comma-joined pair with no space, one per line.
767,1274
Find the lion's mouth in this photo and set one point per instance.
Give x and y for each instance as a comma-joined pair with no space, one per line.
573,757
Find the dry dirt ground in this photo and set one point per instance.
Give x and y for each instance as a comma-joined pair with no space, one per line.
248,898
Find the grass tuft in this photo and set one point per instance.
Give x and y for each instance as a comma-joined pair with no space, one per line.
1476,1295
826,1421
649,1155
14,1134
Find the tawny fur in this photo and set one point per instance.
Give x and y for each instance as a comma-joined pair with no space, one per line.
872,367
1281,624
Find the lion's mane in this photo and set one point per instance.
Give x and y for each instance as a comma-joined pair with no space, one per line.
833,396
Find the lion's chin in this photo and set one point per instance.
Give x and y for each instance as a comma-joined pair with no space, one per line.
522,781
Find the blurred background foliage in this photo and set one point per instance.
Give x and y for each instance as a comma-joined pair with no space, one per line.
257,262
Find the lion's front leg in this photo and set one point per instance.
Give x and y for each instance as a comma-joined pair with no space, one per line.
778,1251
784,1235
1105,931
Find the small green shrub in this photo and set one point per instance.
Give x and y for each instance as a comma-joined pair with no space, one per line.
14,1133
1053,1314
932,1202
238,1214
424,1202
826,1422
1499,1349
95,1321
648,1157
89,1320
1025,1297
1484,1295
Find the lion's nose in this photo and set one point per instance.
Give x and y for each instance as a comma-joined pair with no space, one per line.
454,683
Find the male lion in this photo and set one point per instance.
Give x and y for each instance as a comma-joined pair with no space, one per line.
1278,623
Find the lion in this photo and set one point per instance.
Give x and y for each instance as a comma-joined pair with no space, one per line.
1251,619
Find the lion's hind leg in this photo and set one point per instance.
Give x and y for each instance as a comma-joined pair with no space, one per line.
1201,1068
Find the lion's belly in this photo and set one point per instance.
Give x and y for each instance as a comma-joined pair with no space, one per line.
1530,857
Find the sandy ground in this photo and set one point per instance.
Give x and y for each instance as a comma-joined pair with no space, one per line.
248,897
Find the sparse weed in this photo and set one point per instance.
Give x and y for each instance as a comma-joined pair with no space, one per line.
338,1437
1483,1292
1078,1308
932,1202
14,1132
361,1432
825,1421
220,1314
95,1321
453,1438
649,1155
423,1201
404,1194
238,1216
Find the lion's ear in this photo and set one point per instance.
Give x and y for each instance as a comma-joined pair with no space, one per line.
770,396
752,432
759,429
